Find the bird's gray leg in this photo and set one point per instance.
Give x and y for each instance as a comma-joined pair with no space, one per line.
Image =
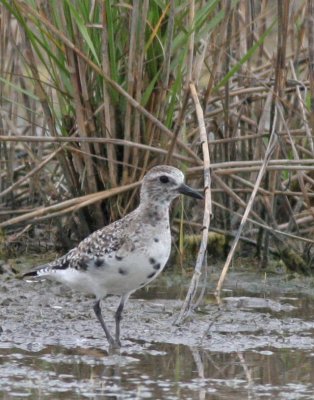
118,317
97,311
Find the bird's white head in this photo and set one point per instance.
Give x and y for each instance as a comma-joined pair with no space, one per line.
163,184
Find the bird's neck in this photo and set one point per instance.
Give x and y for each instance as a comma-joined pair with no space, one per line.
154,213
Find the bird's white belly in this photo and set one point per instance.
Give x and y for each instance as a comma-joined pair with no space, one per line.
120,274
135,270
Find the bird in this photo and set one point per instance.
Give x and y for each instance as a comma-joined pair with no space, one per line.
127,254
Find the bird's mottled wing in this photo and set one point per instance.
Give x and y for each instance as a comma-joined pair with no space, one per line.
100,246
95,250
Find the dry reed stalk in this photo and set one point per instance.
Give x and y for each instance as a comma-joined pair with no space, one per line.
186,92
280,76
266,227
178,125
268,153
128,123
297,158
303,111
139,84
217,55
31,173
310,30
70,139
107,119
264,192
87,176
44,100
84,167
68,205
188,305
282,163
190,57
279,167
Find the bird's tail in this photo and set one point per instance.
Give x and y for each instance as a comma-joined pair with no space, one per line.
47,270
40,272
29,273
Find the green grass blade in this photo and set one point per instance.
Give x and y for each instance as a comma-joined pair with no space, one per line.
82,28
19,89
245,58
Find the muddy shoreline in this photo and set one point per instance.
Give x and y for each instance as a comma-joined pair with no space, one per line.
49,323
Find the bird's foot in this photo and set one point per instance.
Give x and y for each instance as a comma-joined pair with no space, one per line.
114,345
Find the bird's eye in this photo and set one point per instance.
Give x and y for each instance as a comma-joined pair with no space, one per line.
164,179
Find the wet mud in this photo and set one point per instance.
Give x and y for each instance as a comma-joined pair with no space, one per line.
256,342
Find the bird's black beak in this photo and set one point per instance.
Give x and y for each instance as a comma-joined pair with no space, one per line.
188,191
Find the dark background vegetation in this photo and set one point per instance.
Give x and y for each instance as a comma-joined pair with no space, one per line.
94,93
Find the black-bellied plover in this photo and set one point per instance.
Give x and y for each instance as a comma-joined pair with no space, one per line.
127,254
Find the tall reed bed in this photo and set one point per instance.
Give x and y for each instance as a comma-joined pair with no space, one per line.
93,93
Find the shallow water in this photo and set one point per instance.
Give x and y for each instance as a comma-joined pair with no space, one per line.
257,343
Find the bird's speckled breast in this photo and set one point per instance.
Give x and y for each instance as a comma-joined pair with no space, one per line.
137,268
